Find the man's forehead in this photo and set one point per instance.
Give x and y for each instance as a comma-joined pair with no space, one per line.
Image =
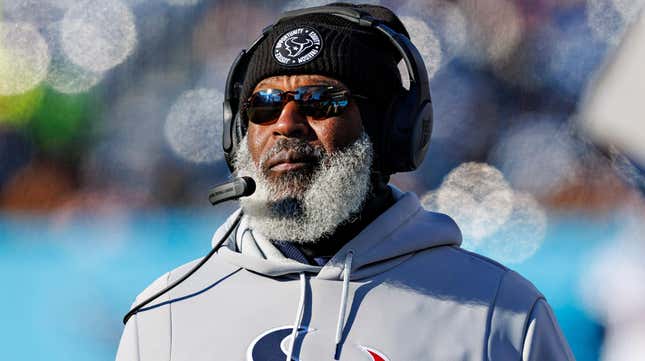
291,82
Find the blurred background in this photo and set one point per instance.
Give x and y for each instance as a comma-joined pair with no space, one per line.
110,132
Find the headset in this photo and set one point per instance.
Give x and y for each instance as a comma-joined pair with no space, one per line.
408,125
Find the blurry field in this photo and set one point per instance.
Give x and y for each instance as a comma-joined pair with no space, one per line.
67,284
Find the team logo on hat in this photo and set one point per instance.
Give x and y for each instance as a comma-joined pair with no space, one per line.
297,47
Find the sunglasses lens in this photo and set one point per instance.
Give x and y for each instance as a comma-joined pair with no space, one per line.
264,106
320,102
316,102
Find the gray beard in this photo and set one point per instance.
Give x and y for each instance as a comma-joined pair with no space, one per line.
304,207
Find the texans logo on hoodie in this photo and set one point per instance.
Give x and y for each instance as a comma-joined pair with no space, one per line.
273,345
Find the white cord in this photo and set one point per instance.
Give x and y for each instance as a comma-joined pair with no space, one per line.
343,299
301,307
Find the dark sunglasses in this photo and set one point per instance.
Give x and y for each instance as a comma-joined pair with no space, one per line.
315,101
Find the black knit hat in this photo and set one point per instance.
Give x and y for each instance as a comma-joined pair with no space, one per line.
328,45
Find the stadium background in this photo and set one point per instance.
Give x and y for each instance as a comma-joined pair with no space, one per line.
110,138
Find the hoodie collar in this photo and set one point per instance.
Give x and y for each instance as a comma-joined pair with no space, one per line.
402,230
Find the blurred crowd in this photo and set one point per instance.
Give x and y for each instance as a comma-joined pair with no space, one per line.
117,103
112,105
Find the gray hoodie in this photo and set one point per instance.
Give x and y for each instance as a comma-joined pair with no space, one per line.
402,290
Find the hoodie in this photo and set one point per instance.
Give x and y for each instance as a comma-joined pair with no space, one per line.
401,290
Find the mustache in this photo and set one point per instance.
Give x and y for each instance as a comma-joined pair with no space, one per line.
300,148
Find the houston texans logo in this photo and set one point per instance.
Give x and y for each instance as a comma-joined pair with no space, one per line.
273,344
295,48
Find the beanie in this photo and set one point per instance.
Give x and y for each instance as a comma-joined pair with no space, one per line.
357,56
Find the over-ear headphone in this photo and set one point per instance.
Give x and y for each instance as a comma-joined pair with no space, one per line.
408,129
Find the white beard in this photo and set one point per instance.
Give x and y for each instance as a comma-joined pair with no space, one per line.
332,194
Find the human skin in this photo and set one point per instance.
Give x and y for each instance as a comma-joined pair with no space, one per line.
330,133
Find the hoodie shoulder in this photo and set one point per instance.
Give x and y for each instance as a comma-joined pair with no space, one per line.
472,279
508,278
162,282
512,305
213,270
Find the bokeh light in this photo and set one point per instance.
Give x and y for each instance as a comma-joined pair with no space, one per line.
39,13
98,34
609,19
194,126
477,196
537,155
446,20
65,76
426,41
520,236
496,29
133,146
24,58
495,220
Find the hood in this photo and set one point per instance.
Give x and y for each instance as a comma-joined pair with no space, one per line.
398,233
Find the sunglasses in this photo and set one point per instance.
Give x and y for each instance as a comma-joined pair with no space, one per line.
315,102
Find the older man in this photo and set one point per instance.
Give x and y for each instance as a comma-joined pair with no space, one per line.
325,261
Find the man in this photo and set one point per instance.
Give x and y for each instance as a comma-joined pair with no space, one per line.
327,262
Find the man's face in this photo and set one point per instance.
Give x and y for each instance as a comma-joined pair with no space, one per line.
289,149
311,174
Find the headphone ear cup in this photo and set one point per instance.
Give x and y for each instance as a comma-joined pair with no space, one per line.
421,133
403,121
408,133
390,149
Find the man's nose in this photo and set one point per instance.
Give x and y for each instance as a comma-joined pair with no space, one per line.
291,123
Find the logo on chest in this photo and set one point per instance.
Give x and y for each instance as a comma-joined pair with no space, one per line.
273,345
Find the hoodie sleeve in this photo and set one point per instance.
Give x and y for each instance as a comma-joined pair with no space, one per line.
544,340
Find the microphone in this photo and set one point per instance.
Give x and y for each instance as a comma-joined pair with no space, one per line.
238,187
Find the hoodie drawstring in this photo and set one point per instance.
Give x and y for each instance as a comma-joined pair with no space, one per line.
347,272
343,301
301,307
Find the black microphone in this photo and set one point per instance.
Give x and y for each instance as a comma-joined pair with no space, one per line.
238,187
